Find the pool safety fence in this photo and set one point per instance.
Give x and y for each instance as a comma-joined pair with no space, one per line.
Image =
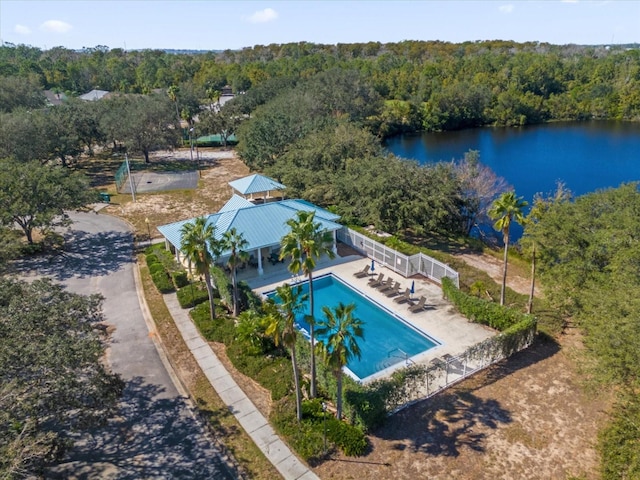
420,382
404,265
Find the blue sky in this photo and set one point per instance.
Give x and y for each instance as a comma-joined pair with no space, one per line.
219,25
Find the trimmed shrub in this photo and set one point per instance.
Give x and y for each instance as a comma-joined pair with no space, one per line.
162,282
223,285
481,311
156,268
305,437
180,278
222,329
151,259
192,295
273,372
349,438
248,299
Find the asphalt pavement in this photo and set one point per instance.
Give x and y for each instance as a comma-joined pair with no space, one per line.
155,435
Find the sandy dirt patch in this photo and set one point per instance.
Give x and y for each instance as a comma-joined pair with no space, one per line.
526,418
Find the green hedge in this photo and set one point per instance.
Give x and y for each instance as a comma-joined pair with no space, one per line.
223,285
193,294
156,267
273,372
481,311
180,278
151,258
307,436
222,329
162,282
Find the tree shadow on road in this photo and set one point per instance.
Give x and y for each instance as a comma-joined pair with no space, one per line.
84,255
153,436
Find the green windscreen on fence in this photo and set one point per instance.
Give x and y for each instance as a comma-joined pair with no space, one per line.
121,175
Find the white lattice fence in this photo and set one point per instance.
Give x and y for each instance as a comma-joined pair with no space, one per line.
396,261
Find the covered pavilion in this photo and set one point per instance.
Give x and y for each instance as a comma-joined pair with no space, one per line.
261,225
257,187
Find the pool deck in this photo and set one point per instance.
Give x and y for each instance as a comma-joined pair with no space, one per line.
438,320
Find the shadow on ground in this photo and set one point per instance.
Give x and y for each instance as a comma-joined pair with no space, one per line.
84,255
456,418
123,448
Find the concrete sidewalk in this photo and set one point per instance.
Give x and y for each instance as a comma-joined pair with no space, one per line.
254,423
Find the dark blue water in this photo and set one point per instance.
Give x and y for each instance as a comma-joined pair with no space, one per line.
387,340
586,156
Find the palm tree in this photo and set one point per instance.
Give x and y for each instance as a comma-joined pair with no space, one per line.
213,95
540,206
282,328
198,243
505,209
340,331
234,241
172,92
304,243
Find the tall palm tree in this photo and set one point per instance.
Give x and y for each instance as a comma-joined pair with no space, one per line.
340,332
172,92
199,244
282,328
213,94
304,243
539,208
236,243
504,210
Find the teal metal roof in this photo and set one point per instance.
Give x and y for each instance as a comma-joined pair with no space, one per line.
310,207
261,225
255,184
235,203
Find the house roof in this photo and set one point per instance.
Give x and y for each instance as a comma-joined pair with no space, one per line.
255,184
235,203
261,225
93,95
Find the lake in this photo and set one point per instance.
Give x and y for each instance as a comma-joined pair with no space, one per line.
586,156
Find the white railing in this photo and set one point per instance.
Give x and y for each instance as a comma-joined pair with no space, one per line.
404,265
441,373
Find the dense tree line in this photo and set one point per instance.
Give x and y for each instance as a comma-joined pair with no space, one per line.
428,85
589,259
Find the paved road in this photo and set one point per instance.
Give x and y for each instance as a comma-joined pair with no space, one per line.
155,436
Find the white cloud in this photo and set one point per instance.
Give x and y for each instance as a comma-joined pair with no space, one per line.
55,26
263,16
569,1
22,29
506,8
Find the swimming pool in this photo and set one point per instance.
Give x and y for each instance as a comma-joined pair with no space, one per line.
388,340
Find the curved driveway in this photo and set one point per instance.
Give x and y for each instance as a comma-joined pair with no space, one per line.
155,435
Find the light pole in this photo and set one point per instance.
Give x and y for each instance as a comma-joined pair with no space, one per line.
146,220
324,426
191,142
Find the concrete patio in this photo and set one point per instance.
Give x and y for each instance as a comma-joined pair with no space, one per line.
439,320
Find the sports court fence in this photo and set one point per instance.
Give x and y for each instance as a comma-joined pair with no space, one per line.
121,176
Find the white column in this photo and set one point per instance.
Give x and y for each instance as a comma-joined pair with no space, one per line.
335,243
260,270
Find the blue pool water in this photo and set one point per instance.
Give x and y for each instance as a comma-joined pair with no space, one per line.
388,340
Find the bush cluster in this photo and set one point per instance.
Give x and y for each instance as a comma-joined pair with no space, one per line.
180,278
159,274
481,311
221,330
193,294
